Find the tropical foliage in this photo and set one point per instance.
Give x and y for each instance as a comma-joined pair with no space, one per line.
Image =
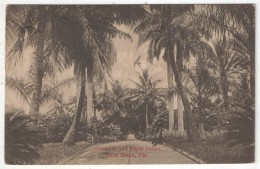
22,140
209,52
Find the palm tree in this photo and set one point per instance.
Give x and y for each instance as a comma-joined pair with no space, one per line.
162,32
24,89
235,23
61,106
229,65
22,141
70,137
103,19
204,85
244,17
146,93
38,73
90,40
35,26
150,30
113,103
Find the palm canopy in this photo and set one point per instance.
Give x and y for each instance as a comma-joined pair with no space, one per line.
146,95
23,88
113,103
236,23
146,88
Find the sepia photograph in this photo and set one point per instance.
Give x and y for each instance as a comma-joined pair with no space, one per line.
129,84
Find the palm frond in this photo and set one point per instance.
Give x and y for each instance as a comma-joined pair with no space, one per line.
22,88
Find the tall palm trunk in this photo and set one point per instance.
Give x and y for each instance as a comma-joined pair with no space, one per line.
70,137
192,131
180,115
146,116
179,61
223,76
200,81
170,96
38,71
90,111
201,126
224,87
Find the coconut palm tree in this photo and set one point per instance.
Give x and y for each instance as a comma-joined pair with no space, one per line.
113,103
146,94
235,23
204,85
35,26
38,73
91,33
228,65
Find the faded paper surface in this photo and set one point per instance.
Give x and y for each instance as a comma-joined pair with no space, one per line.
107,79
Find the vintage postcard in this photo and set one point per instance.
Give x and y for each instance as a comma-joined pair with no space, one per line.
129,84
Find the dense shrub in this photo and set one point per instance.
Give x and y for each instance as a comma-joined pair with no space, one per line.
22,140
241,126
54,126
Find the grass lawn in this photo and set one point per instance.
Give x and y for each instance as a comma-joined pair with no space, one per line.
213,149
214,153
52,153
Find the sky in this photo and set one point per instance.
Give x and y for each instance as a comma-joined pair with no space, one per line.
123,70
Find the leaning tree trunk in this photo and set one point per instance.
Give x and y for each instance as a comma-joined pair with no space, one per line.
38,71
170,96
192,130
70,137
90,110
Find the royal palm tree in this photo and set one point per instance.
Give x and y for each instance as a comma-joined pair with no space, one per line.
164,32
150,30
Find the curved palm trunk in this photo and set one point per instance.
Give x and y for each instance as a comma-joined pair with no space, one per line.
70,137
192,131
90,111
170,96
38,67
